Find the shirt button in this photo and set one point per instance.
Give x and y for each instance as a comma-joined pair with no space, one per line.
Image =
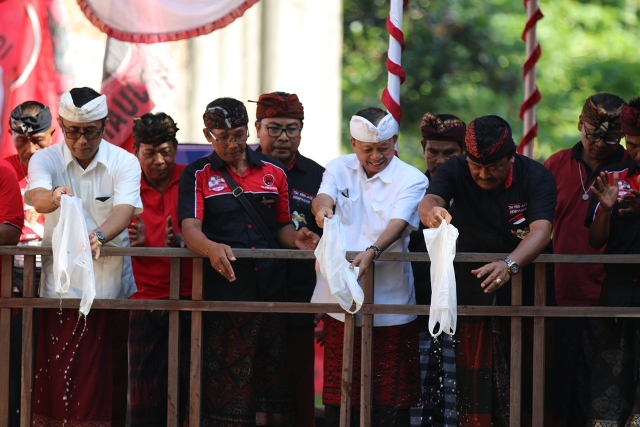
366,186
249,226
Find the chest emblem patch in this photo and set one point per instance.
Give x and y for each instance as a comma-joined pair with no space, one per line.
216,183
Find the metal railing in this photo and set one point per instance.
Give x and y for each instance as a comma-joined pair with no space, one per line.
196,306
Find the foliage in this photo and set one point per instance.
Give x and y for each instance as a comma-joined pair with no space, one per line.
465,57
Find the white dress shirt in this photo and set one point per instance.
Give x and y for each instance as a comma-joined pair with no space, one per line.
366,205
112,178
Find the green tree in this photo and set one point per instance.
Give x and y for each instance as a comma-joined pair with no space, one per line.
465,57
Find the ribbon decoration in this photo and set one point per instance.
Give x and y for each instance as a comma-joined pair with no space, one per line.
531,93
396,75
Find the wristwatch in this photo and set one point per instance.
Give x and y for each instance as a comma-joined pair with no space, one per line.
514,268
100,236
376,251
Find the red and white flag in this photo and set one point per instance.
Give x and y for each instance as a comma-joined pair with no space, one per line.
152,21
135,77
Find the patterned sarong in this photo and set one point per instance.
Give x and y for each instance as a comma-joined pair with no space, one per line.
244,375
395,365
81,373
438,375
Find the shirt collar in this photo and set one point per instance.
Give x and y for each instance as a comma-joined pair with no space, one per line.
101,155
175,178
253,159
386,175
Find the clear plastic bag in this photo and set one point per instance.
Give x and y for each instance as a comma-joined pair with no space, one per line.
331,255
441,245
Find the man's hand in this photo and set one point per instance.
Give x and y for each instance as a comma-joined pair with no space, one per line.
95,244
497,275
436,215
220,256
137,232
322,214
57,193
606,194
171,238
363,260
306,239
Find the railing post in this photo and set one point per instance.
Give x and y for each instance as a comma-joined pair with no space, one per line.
347,369
27,372
540,297
195,377
5,338
367,348
173,396
515,380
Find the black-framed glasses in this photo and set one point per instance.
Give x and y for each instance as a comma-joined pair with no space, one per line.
237,138
609,138
276,131
88,134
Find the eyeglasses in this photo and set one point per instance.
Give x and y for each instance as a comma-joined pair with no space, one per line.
276,131
88,134
610,139
237,138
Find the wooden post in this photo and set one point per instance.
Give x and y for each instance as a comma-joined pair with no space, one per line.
367,348
195,377
27,371
540,297
5,338
515,381
173,380
347,369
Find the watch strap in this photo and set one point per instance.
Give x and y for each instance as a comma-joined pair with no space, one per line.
376,251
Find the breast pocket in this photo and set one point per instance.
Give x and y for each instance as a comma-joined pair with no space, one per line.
346,207
102,209
266,208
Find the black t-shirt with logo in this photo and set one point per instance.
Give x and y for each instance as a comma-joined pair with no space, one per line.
493,221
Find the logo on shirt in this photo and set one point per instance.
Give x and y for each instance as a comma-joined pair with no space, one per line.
298,219
520,227
301,196
216,183
268,180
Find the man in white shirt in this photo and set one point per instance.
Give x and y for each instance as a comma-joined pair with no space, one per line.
376,196
82,370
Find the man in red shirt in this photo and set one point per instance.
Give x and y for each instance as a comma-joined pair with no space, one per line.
575,170
155,146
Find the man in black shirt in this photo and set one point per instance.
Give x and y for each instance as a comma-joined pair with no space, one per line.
504,203
279,125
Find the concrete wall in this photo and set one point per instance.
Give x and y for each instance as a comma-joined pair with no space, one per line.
288,45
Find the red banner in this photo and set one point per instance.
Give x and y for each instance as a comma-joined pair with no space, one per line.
32,41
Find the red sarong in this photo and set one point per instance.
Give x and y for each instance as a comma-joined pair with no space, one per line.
81,372
395,365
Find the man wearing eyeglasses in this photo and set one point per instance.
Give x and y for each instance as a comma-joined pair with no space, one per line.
279,124
575,170
86,369
238,198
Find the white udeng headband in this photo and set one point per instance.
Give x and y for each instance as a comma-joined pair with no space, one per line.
93,110
365,131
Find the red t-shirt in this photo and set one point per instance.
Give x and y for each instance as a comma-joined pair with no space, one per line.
576,284
152,274
11,206
33,228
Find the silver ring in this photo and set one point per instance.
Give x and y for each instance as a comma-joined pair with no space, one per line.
498,281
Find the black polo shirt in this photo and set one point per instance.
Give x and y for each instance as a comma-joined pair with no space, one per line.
621,285
304,179
493,221
204,194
